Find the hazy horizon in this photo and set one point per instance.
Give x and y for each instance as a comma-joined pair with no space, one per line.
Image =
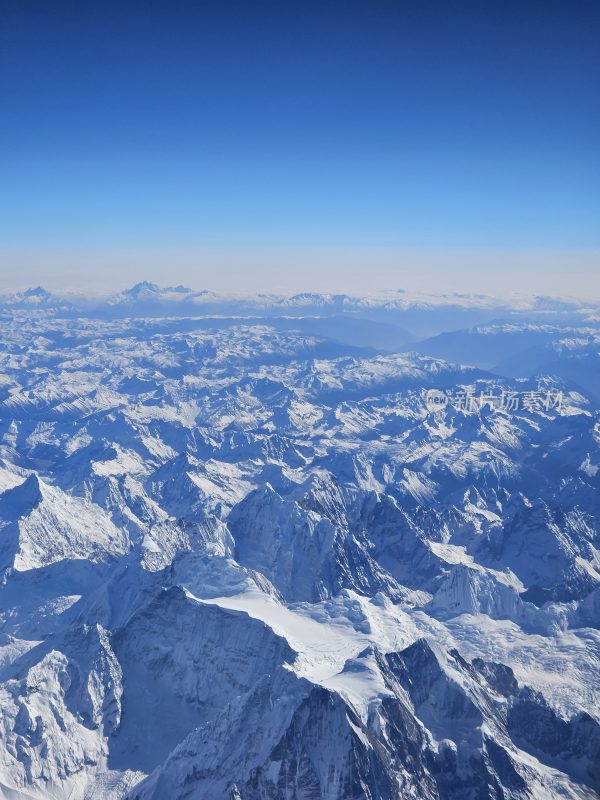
351,271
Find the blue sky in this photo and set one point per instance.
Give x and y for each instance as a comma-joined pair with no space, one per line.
139,139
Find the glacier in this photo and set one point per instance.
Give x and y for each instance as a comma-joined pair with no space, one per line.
242,558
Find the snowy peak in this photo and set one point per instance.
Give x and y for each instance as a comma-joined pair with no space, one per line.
146,292
22,499
41,525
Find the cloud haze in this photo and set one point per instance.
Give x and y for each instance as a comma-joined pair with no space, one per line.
573,273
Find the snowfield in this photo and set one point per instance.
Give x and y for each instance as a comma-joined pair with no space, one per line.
241,559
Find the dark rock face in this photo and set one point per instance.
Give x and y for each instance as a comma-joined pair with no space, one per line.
573,744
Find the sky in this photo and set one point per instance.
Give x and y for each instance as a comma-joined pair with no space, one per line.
283,145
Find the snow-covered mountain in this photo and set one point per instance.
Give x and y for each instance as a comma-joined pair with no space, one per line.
241,558
386,319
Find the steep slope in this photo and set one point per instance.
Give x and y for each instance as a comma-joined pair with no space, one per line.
40,525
